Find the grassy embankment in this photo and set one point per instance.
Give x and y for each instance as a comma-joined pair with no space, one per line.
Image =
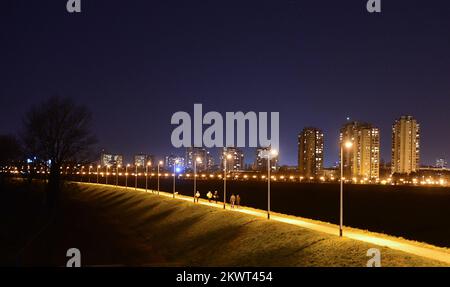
118,227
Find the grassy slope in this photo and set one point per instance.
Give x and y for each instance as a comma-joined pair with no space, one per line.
22,215
187,234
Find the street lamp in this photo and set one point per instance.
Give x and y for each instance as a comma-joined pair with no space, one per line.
117,174
98,166
174,175
107,168
82,170
274,153
126,175
225,158
136,177
146,175
348,145
199,160
159,163
89,173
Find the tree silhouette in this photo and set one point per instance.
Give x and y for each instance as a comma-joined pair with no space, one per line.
57,130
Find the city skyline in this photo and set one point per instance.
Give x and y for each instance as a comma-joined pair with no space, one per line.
310,64
366,162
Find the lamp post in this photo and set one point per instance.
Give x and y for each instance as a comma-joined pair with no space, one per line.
136,177
348,145
174,175
159,163
225,158
117,174
126,175
199,160
270,152
82,170
98,166
146,175
89,174
106,175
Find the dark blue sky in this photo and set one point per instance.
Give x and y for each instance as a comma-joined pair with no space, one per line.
135,63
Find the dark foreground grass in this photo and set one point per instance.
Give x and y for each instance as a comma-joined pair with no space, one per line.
132,228
118,227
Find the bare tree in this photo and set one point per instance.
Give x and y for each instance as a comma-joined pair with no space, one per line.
57,130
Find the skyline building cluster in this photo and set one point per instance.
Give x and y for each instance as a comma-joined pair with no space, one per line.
235,162
205,162
143,159
171,160
362,160
260,163
441,163
107,159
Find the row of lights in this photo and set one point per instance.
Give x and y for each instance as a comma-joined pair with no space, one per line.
415,181
347,145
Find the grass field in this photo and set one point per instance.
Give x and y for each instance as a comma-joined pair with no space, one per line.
415,213
117,227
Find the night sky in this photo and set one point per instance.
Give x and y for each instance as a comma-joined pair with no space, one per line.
135,63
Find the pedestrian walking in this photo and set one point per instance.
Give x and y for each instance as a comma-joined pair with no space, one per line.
197,196
216,196
238,201
209,195
232,200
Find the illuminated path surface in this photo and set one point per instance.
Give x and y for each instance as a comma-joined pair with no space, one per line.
404,245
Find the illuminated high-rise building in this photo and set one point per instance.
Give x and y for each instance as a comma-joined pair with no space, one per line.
236,160
362,160
174,160
405,145
310,152
107,159
261,160
441,163
143,159
206,159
